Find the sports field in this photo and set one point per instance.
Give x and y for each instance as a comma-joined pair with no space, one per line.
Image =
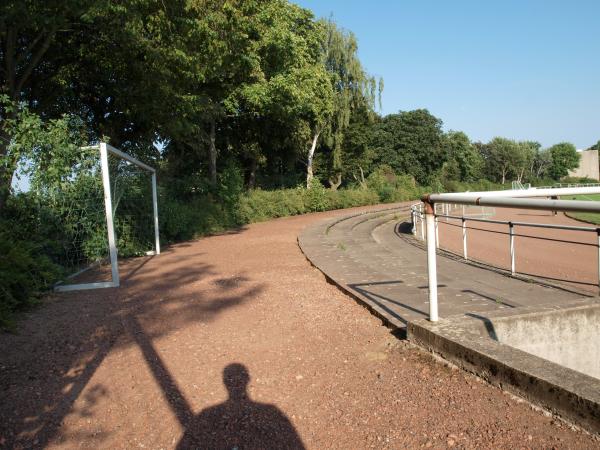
586,217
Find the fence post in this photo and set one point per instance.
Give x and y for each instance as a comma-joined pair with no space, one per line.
437,233
431,261
464,230
512,248
598,234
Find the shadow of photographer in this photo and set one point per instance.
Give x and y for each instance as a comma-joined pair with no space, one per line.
239,422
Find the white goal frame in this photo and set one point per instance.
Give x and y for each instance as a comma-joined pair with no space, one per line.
104,150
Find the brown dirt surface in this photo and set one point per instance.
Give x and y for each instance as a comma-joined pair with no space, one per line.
235,341
563,257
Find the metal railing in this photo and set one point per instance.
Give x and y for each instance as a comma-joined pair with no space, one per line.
426,214
511,233
569,185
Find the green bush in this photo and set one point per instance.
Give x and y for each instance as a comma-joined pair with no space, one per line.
578,180
316,198
24,274
475,186
391,187
184,220
36,229
258,205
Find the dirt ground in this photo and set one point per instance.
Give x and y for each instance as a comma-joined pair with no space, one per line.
235,341
563,257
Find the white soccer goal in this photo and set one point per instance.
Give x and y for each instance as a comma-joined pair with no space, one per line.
110,205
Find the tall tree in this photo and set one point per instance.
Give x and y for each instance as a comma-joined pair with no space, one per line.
411,142
112,63
528,152
564,158
502,157
463,155
353,88
28,29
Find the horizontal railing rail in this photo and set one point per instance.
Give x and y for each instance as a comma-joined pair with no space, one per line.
523,224
426,215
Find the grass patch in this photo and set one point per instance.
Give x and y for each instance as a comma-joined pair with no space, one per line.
585,217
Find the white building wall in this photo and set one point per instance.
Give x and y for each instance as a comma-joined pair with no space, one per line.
589,165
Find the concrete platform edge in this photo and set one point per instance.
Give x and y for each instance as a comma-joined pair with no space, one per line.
574,406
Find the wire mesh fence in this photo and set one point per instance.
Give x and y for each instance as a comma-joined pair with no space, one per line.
76,209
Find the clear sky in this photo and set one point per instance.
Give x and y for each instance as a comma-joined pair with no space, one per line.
526,69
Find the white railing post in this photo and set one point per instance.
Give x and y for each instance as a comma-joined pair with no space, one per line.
431,262
512,248
422,226
464,230
598,234
437,233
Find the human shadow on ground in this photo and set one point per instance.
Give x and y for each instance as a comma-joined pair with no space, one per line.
240,422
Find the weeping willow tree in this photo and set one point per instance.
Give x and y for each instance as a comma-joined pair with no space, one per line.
352,87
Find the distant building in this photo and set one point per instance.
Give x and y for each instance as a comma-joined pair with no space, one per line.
589,165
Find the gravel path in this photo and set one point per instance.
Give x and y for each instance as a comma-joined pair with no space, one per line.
235,341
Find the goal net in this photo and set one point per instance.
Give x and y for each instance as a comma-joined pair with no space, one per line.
108,211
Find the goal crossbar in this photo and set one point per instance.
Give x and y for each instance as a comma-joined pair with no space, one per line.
106,149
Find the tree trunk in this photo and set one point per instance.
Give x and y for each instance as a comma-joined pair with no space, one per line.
334,183
252,174
7,168
5,185
309,163
520,177
503,175
212,157
363,183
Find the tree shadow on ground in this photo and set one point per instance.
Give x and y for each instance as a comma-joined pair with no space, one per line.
46,367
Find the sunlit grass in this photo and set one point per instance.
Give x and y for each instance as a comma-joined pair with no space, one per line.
586,217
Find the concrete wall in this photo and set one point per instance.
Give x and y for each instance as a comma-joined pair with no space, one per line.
588,165
570,338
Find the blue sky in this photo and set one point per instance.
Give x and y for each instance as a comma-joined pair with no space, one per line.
524,69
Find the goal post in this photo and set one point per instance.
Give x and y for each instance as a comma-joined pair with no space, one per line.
111,202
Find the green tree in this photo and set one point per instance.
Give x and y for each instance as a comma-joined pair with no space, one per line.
357,150
540,163
47,151
564,158
353,88
503,158
411,143
114,64
28,29
258,87
528,152
463,156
